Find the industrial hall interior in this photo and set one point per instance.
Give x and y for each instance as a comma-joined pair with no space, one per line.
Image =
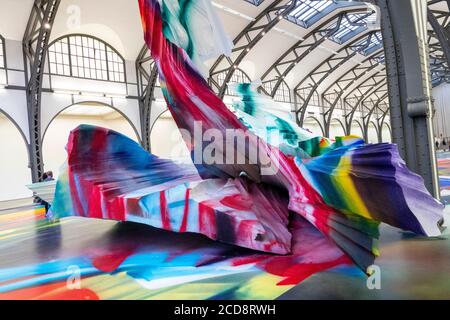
224,149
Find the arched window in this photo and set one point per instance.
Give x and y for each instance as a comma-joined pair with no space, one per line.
350,102
304,93
86,57
332,98
282,94
367,105
238,76
2,53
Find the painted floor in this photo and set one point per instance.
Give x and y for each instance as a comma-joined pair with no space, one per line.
78,258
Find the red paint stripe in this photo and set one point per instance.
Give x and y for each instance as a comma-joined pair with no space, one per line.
116,208
183,226
164,211
94,202
53,291
207,220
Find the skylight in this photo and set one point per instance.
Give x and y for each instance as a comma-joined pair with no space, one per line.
350,25
255,2
380,59
367,48
307,9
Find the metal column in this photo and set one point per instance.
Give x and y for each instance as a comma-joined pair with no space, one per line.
146,74
35,45
403,24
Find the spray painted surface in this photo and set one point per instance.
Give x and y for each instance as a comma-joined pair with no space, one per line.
444,172
78,258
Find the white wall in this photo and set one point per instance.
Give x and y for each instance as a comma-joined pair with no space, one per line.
372,135
356,130
386,134
14,171
53,103
57,134
166,141
441,120
336,130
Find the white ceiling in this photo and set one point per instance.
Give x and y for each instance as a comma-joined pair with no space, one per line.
114,21
118,23
14,16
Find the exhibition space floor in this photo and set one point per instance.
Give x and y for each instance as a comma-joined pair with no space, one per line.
77,258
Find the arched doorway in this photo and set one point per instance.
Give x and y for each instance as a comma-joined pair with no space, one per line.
14,171
336,129
166,140
57,133
313,125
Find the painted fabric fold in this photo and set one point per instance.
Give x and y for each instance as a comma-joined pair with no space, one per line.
267,119
344,189
191,100
370,181
109,176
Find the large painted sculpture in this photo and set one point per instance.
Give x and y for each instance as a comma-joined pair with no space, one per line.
278,174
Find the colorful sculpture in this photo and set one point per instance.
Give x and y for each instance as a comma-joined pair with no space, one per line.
344,189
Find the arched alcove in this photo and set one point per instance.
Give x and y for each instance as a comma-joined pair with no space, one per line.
94,113
239,76
386,134
372,133
336,129
313,125
357,129
166,140
14,171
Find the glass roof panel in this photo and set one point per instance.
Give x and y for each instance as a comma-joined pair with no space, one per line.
376,42
255,2
350,24
380,59
307,9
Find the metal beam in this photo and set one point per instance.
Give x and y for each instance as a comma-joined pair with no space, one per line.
344,83
147,75
246,40
35,46
441,34
289,59
301,112
366,117
319,74
439,43
353,108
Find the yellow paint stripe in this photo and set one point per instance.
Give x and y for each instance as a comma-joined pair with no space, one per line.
22,214
262,287
343,183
